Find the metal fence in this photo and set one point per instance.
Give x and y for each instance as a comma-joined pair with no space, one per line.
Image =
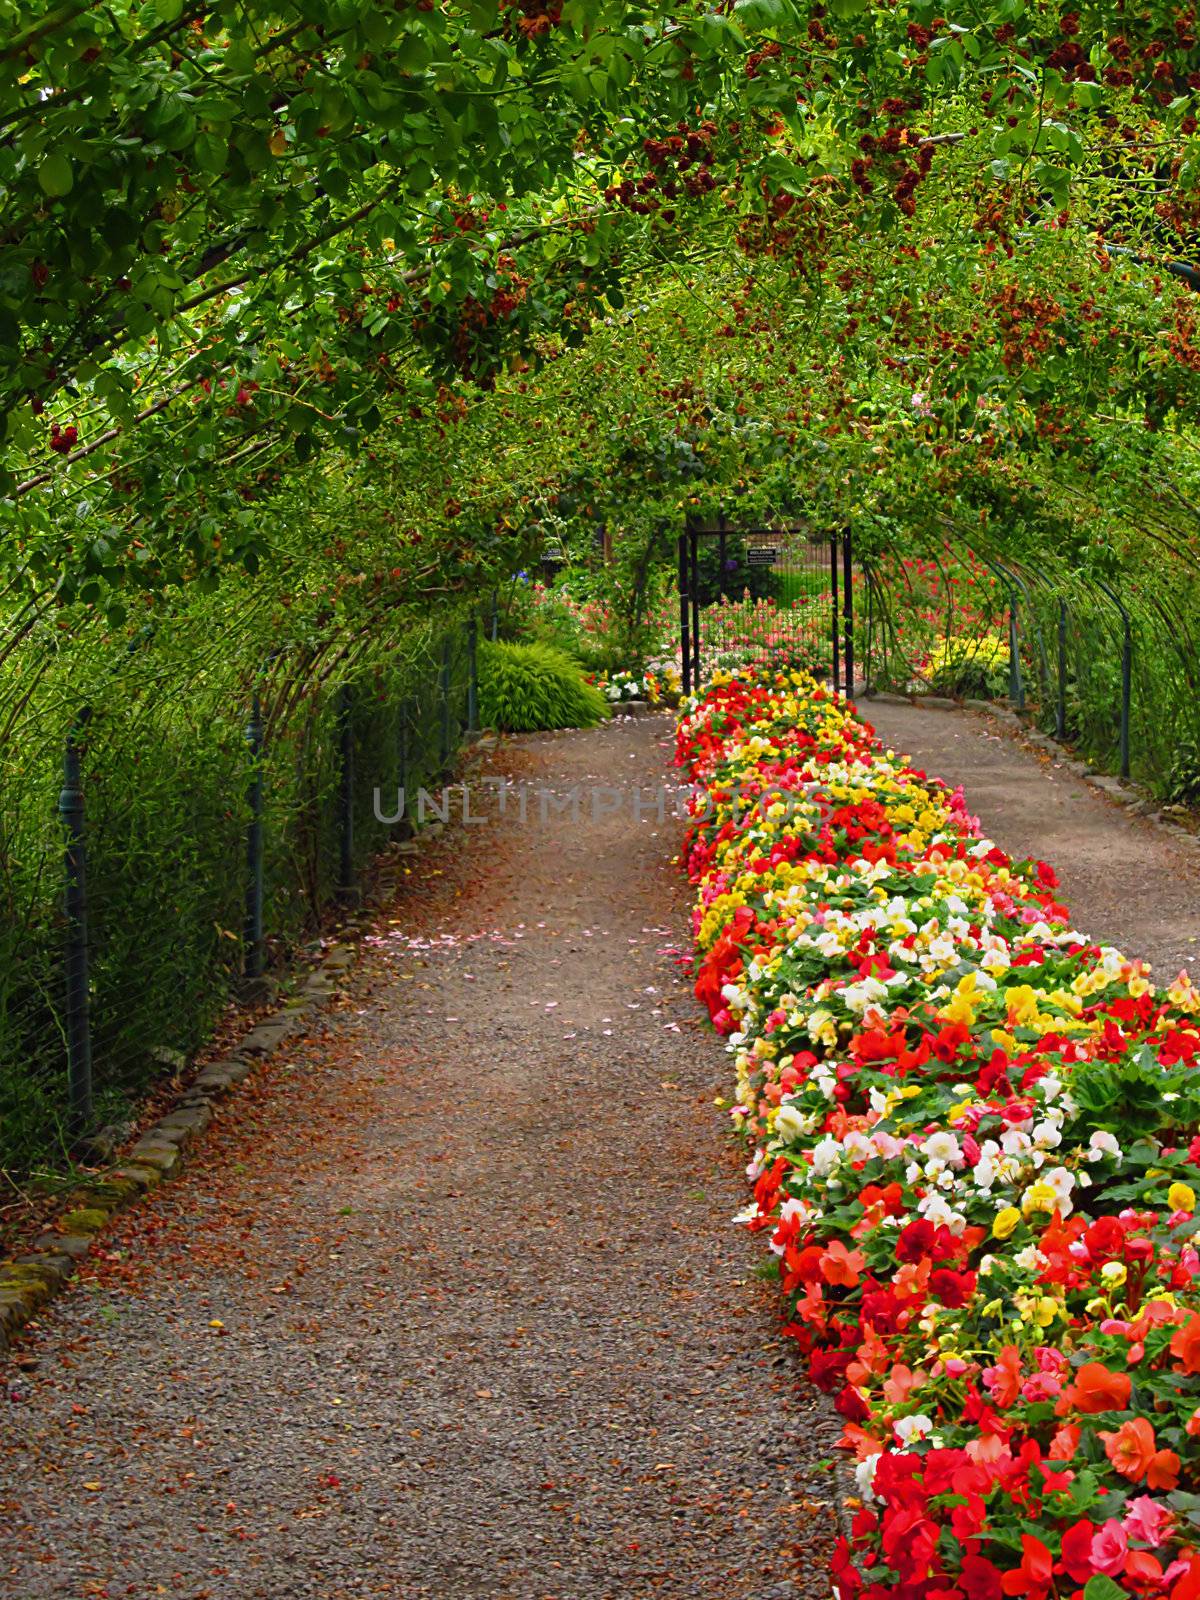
1112,672
131,913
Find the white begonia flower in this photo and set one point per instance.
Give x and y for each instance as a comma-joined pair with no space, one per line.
944,1149
826,1156
1062,1182
1101,1144
934,1207
1030,1259
1015,1143
858,996
1046,1135
910,1428
792,1207
792,1125
864,1476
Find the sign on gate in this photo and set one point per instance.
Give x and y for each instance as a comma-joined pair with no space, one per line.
761,556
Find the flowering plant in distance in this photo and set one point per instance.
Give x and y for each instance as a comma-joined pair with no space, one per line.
621,686
975,1161
659,682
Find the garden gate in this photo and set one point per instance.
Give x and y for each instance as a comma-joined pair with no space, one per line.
781,593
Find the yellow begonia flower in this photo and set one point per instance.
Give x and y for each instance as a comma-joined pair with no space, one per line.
1181,1197
1022,1003
962,1007
1045,1310
1039,1197
1005,1222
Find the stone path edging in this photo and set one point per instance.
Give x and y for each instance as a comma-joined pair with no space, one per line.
29,1281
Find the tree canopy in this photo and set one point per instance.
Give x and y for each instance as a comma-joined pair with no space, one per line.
440,272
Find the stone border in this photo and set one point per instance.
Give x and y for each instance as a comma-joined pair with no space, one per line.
28,1282
1124,792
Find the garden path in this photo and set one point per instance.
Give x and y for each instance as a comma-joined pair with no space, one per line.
1126,880
448,1302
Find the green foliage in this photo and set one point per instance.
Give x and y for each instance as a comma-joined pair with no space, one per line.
524,687
1134,1096
973,668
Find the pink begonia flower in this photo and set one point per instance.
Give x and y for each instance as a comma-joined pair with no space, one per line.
1109,1548
1147,1520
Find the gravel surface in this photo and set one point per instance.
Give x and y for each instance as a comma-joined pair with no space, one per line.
448,1303
1126,880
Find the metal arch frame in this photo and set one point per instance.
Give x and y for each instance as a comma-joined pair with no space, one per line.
1126,668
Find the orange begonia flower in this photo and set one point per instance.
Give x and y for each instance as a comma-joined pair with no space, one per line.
1185,1344
1096,1389
1131,1448
839,1265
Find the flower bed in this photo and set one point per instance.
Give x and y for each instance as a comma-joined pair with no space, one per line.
975,1161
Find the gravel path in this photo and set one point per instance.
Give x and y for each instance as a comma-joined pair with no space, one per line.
449,1303
1126,880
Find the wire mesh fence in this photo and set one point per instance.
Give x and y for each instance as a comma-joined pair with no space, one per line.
216,812
1109,667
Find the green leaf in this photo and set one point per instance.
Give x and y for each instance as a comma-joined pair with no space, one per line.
760,13
56,174
211,152
1102,1587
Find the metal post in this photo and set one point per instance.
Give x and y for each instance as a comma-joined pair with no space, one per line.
472,676
685,638
79,1032
253,953
848,606
402,742
1126,672
1060,712
833,590
721,558
1016,688
444,691
495,614
695,592
346,794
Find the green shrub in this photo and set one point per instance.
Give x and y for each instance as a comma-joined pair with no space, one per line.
526,687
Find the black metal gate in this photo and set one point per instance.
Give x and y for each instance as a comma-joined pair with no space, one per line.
775,594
